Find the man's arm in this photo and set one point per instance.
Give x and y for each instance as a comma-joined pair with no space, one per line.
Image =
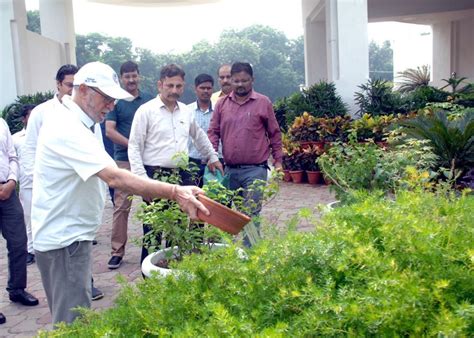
214,131
7,188
274,135
205,148
149,189
28,149
136,143
112,133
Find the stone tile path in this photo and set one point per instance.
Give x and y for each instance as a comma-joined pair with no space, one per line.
26,321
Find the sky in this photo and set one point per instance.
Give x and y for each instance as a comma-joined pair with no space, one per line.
167,29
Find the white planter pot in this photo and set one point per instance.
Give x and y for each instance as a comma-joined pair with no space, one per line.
150,261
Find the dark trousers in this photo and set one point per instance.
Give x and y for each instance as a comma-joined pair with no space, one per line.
12,225
186,179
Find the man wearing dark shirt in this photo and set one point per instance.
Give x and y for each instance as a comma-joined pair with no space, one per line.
245,122
118,125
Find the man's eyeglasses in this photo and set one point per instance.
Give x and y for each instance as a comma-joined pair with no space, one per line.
108,99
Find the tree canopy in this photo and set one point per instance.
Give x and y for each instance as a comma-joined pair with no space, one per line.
278,62
381,61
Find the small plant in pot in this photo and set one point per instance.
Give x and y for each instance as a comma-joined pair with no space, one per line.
310,155
179,235
295,165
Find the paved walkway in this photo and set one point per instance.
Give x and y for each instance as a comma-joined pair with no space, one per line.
26,321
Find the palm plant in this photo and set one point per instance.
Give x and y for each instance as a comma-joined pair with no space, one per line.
376,97
411,79
11,113
451,140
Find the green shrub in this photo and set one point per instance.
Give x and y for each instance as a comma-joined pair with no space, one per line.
452,140
319,100
366,166
11,113
376,97
375,268
324,101
421,96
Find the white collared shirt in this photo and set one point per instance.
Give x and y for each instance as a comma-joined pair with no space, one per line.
18,140
8,157
157,135
68,197
28,149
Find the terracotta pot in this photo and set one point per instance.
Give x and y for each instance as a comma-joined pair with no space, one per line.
222,217
314,177
286,176
297,175
327,180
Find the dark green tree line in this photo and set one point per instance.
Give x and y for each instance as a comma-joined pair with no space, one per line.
278,62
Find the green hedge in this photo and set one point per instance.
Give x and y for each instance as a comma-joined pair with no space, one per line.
374,268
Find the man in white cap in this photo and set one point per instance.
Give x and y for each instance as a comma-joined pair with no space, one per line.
72,171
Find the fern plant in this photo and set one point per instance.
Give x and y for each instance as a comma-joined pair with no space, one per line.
451,140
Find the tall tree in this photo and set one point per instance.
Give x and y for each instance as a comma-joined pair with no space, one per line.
381,61
278,62
34,24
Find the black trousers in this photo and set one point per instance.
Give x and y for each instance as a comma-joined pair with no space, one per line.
12,226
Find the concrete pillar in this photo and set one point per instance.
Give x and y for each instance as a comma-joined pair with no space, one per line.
14,51
316,67
57,23
442,52
348,57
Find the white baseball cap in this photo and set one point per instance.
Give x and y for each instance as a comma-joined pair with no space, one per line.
99,75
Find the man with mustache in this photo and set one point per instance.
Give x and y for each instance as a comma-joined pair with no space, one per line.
118,125
245,123
202,109
223,77
162,128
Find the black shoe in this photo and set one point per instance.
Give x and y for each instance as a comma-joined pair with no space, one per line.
96,293
24,298
2,319
30,259
114,262
94,242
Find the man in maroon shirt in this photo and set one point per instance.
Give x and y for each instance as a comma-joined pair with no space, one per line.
245,122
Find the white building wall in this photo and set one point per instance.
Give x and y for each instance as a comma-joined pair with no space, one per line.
45,57
8,90
465,57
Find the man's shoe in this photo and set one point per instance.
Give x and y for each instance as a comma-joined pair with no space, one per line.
2,319
30,259
24,298
114,262
96,293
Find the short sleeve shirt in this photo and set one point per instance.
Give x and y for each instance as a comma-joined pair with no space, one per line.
123,114
68,197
